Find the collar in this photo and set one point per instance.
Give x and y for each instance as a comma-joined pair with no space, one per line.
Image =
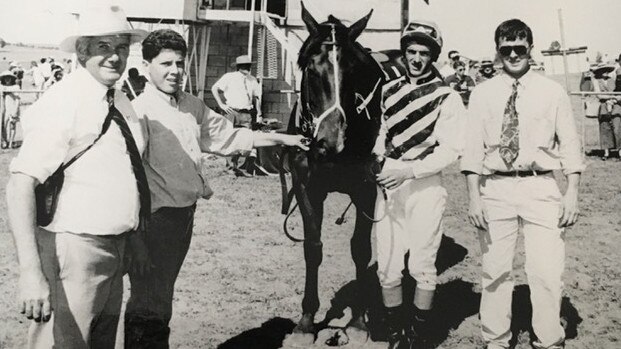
89,86
524,80
173,100
421,79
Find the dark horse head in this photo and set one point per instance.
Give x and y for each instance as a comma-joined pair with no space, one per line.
341,85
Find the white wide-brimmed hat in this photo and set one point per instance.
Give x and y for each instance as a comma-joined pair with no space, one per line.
7,73
603,68
102,21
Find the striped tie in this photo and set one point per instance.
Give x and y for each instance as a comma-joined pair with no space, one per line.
136,160
510,134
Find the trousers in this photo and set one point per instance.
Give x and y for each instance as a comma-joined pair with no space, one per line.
149,308
85,275
530,204
610,131
413,223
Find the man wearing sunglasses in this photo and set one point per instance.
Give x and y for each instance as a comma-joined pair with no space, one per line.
520,129
422,124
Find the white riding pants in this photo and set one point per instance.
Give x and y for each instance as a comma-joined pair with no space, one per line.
413,222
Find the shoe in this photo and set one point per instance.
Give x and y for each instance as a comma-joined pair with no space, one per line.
394,325
418,330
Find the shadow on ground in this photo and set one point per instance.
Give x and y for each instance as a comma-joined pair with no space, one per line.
454,302
522,313
269,336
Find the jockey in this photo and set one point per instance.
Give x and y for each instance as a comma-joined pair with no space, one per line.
421,134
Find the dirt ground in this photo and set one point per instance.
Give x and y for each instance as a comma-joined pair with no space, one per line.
242,283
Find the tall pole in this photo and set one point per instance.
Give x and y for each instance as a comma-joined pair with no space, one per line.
563,48
251,29
405,13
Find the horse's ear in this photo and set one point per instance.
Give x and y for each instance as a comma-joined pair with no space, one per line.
356,29
311,23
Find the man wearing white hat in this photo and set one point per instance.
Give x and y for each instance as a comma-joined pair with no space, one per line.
71,269
242,100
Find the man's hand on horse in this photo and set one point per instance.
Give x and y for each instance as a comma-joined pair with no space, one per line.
392,178
296,141
34,296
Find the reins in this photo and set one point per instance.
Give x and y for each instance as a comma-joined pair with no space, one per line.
311,127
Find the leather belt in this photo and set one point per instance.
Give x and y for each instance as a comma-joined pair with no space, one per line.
247,111
526,173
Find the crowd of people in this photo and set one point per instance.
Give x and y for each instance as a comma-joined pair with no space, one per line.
606,108
133,178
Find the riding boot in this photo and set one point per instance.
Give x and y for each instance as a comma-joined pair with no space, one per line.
418,329
394,325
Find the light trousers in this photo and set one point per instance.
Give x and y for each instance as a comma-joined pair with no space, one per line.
532,204
412,223
85,275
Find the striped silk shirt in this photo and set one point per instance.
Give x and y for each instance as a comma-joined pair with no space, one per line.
422,124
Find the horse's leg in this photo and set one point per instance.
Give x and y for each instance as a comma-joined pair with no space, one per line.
310,201
364,198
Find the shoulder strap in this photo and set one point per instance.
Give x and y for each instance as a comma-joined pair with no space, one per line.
104,129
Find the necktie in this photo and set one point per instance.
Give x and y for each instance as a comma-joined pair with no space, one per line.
136,161
510,134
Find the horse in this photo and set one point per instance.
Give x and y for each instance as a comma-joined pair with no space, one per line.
339,111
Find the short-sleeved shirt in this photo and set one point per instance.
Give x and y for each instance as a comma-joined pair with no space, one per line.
239,90
99,195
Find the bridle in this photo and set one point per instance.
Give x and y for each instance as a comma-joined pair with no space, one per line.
310,127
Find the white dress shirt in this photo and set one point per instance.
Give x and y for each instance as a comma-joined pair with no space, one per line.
238,89
99,195
177,129
548,139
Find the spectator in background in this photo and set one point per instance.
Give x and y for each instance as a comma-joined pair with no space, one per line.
18,71
241,103
37,75
609,116
447,70
8,82
461,82
474,70
46,69
486,72
134,84
57,75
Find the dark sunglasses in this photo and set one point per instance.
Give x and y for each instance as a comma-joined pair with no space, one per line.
518,49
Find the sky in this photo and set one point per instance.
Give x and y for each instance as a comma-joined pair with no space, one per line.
466,25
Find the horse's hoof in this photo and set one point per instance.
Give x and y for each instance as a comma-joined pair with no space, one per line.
357,337
298,340
333,338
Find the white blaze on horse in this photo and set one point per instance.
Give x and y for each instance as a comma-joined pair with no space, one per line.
339,111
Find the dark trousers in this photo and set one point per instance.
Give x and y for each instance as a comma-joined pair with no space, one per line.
610,131
149,307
